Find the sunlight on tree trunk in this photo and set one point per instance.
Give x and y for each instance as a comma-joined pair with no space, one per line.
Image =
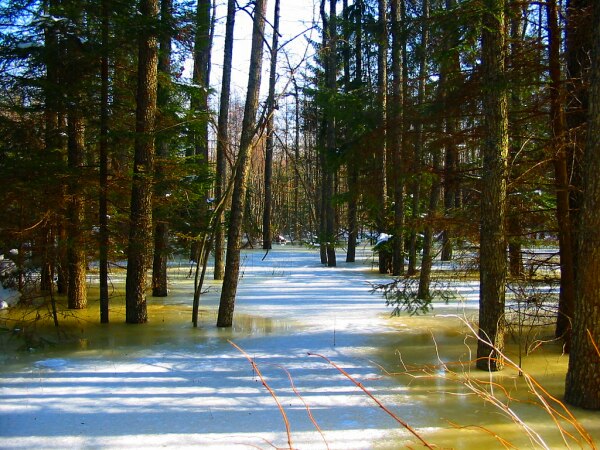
492,265
583,379
140,232
160,286
223,140
238,202
271,108
77,290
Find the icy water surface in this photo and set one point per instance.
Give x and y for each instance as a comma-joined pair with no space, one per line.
167,385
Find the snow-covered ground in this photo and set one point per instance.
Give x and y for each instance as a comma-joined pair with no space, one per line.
167,385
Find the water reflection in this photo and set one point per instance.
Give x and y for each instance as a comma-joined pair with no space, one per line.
169,325
462,407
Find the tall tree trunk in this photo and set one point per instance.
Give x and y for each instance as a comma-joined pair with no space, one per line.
232,263
77,290
416,166
396,133
353,163
350,159
160,287
451,174
380,147
223,140
561,179
271,107
200,75
446,125
52,135
103,235
583,379
423,292
330,138
579,39
492,265
297,235
140,231
515,208
199,107
451,153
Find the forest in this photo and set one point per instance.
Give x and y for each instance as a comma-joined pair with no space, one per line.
425,128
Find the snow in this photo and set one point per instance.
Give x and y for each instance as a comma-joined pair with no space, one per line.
204,393
383,237
8,297
169,385
27,45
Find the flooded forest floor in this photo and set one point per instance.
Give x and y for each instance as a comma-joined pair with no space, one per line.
314,360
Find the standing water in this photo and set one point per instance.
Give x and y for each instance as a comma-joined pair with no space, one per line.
324,351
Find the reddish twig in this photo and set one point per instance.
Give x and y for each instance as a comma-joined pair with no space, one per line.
381,405
308,411
271,391
506,444
593,342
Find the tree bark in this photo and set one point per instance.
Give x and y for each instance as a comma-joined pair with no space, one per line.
160,287
492,265
582,387
396,136
561,179
140,233
103,235
199,108
53,145
423,291
330,138
232,263
578,43
515,205
416,166
76,260
380,147
270,144
351,163
223,140
451,181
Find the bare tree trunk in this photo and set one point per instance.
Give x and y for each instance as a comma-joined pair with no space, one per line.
77,290
223,140
140,233
351,161
396,136
583,380
297,235
434,198
385,258
103,235
271,107
579,41
52,136
232,264
492,265
514,219
330,138
199,107
416,166
160,287
451,182
561,179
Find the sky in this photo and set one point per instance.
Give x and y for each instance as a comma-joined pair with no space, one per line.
296,21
